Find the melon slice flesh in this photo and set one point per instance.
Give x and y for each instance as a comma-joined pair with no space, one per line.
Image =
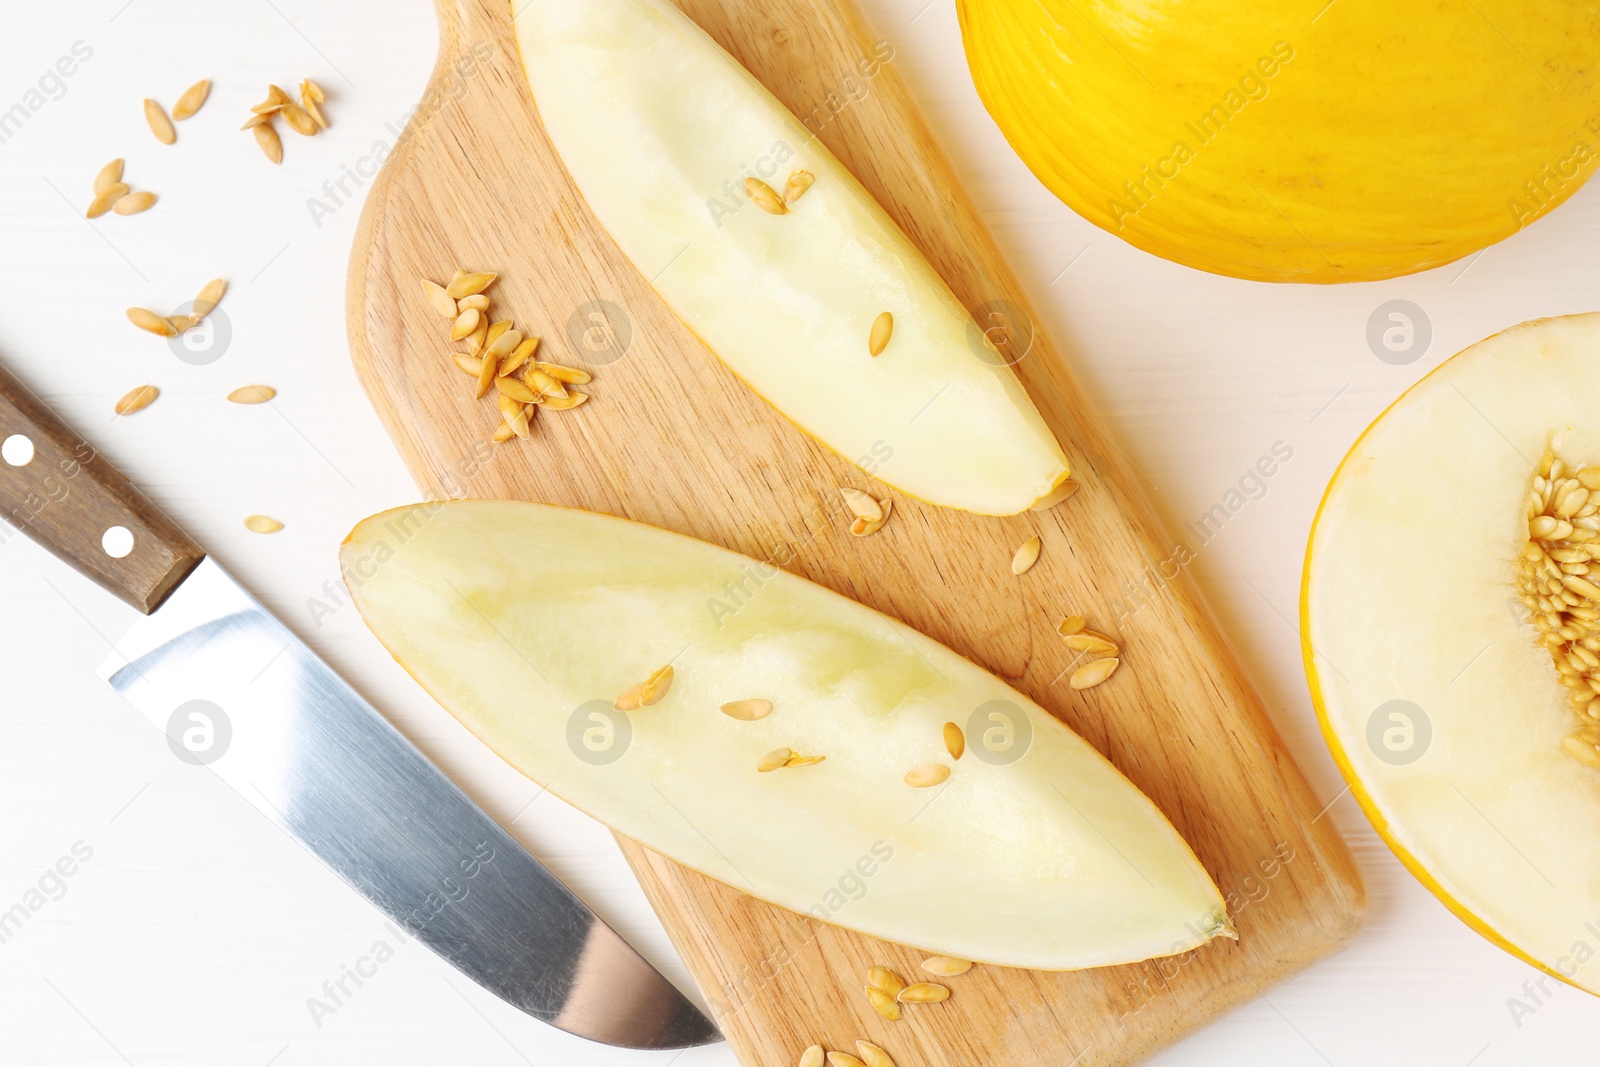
1445,712
659,128
527,621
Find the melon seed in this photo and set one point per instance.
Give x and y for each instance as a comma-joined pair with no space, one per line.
137,399
882,330
764,197
946,966
872,1055
955,742
1027,555
885,979
884,1004
924,993
747,710
646,693
192,100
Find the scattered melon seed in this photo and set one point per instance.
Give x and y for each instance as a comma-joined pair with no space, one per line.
465,324
568,375
110,174
134,203
866,528
439,299
502,433
312,91
159,124
504,344
519,355
486,378
803,761
276,98
1088,641
563,403
882,330
192,100
1027,555
747,710
298,121
955,742
137,399
885,979
210,296
476,300
862,505
796,186
765,197
1055,496
470,364
544,383
1070,625
268,141
149,320
843,1059
314,109
946,966
479,338
495,330
262,524
515,389
929,774
104,200
646,693
923,993
778,757
1092,674
884,1004
252,394
811,1057
872,1055
465,284
516,415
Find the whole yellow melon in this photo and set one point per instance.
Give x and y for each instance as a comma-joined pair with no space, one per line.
1286,143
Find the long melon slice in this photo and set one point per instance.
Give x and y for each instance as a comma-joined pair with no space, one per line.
659,128
528,621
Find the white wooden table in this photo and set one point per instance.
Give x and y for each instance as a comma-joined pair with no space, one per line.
195,933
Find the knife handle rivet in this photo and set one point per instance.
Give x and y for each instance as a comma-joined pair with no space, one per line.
117,541
17,450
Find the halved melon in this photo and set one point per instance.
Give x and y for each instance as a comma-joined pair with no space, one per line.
1451,625
528,622
661,130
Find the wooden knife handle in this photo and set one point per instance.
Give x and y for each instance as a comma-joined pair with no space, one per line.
67,497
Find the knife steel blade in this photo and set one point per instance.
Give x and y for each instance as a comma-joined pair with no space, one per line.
234,689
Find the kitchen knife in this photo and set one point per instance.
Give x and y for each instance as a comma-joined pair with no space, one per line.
233,689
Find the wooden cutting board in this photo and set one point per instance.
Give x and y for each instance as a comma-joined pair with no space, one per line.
671,438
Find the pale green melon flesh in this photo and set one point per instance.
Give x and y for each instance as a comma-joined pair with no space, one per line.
659,128
514,616
1410,596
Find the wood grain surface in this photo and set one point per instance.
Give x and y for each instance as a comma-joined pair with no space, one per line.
671,438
